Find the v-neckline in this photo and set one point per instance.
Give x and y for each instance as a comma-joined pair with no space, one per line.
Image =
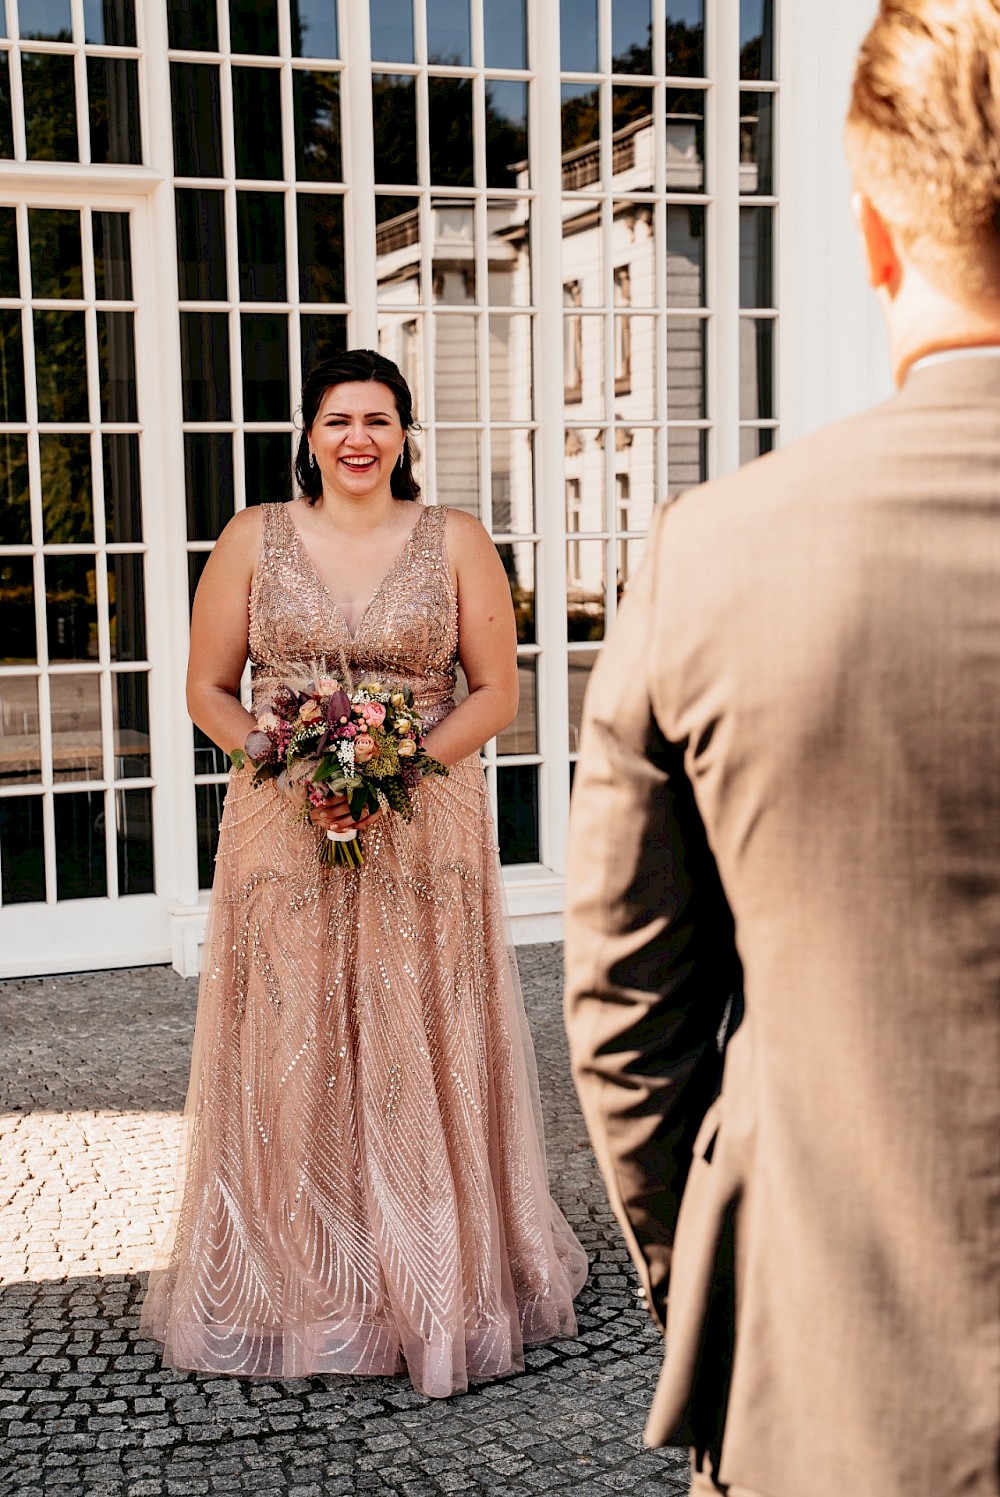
392,569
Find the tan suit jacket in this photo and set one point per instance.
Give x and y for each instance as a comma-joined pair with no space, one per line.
790,782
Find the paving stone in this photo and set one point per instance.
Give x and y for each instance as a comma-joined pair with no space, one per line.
93,1070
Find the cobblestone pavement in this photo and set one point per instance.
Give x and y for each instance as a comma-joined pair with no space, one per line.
92,1075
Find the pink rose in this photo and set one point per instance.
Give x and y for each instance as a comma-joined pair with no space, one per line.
326,686
365,748
406,748
373,713
310,712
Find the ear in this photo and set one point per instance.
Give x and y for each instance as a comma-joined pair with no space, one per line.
885,268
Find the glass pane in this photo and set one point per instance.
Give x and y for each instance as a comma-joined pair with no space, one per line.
756,257
685,256
634,477
517,813
45,20
314,28
394,113
449,104
580,663
511,482
578,36
257,97
521,737
67,488
122,487
456,369
628,558
454,254
505,33
317,126
253,26
56,252
581,129
61,366
631,36
127,607
22,850
585,589
400,338
209,800
686,38
756,442
449,35
134,818
322,338
17,611
392,30
458,470
757,39
687,398
208,483
266,393
116,351
112,256
584,460
635,367
756,143
196,565
397,248
113,89
192,25
685,140
15,513
80,848
321,247
75,714
10,284
201,244
11,366
632,149
506,133
508,252
582,258
510,368
635,278
208,757
6,121
756,369
71,607
110,23
268,457
195,92
205,366
519,564
20,751
687,458
260,235
583,345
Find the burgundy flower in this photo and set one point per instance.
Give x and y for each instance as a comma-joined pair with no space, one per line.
259,748
338,706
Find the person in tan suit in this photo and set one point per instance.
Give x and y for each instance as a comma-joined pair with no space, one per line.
783,904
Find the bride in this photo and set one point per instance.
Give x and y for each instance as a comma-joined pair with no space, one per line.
365,1185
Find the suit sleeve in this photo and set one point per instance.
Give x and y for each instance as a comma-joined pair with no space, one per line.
651,961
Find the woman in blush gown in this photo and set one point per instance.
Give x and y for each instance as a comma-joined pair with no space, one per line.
365,1186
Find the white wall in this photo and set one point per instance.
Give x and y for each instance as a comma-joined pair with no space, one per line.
833,356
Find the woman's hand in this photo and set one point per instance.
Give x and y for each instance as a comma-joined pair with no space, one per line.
334,815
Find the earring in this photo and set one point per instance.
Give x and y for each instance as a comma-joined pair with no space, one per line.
312,459
399,460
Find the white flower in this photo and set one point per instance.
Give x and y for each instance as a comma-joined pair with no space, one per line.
345,753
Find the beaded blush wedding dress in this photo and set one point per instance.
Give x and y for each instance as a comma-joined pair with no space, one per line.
365,1184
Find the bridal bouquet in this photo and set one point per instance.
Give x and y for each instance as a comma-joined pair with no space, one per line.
325,739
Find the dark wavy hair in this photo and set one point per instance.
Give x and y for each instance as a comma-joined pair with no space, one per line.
356,366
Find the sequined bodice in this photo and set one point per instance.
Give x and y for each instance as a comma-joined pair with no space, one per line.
407,635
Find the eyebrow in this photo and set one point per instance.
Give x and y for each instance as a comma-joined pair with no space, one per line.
349,413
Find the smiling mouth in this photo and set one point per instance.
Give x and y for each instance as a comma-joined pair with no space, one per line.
359,464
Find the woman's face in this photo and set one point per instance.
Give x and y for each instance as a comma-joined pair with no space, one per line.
357,437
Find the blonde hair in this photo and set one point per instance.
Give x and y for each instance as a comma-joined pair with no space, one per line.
923,135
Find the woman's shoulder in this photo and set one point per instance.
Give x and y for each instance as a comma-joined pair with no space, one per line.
464,530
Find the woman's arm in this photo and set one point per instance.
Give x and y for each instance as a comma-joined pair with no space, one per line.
487,643
219,627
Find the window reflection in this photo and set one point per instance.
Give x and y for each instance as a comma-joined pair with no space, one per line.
685,140
9,259
45,20
449,37
122,486
71,607
109,23
15,512
268,465
631,36
116,356
686,38
578,33
134,826
257,98
756,369
397,249
454,252
112,256
321,247
581,129
17,611
504,33
192,25
394,106
56,252
314,29
61,366
266,394
392,31
456,369
20,741
208,483
6,119
686,369
201,244
449,124
22,850
521,737
127,606
195,111
517,813
585,582
322,337
756,442
81,871
687,458
67,488
579,665
205,366
11,366
519,563
685,256
583,455
508,252
260,233
511,482
635,251
75,715
582,256
756,257
457,475
113,94
253,26
757,39
510,367
756,143
506,133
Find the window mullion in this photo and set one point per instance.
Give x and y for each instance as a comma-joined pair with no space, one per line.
722,218
359,174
